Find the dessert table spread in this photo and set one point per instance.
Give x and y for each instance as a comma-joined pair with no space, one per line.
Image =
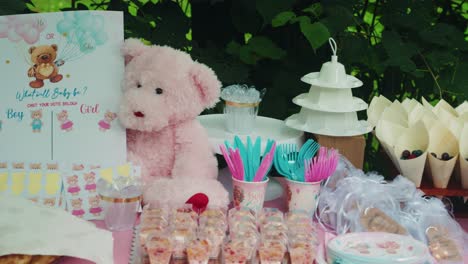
123,239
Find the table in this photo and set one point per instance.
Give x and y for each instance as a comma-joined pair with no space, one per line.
123,240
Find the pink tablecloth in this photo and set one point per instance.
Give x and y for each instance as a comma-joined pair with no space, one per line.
123,240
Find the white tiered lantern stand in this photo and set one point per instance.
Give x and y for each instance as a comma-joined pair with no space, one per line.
329,107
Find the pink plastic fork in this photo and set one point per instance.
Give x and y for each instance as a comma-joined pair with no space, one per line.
238,164
321,166
228,160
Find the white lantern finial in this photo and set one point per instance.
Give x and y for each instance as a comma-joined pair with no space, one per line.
334,48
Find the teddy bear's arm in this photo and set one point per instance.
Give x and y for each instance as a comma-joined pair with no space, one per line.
193,156
32,71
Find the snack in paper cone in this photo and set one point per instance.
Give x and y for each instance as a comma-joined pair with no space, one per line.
464,157
376,108
422,114
462,108
395,113
442,104
388,133
442,142
413,138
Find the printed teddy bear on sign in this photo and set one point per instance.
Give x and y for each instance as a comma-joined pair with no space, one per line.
164,92
43,59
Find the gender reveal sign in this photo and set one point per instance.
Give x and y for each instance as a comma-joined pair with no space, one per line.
60,88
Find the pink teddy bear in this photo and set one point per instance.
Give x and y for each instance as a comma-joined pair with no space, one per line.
164,92
105,124
90,181
73,187
65,123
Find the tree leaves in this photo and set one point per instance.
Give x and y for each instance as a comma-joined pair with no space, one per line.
445,35
266,48
399,53
268,9
11,7
317,33
282,18
258,48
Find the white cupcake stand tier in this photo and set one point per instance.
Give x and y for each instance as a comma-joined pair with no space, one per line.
329,107
266,128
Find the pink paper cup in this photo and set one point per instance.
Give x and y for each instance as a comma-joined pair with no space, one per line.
302,195
249,194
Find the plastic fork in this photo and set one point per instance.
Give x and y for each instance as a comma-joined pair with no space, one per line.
322,166
265,164
229,162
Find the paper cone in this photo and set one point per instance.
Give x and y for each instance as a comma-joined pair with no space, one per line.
393,114
390,150
388,132
426,103
376,108
424,115
456,127
442,140
442,104
463,156
445,116
396,106
410,104
462,108
413,138
464,117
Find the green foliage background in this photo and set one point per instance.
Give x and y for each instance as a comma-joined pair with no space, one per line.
398,48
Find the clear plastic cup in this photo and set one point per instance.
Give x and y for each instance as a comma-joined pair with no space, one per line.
198,251
240,117
216,236
302,251
181,236
120,207
271,251
237,252
159,249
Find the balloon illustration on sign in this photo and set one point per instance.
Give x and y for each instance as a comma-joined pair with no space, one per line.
26,28
83,33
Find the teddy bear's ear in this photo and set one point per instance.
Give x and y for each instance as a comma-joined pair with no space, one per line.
132,48
54,47
207,83
31,49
